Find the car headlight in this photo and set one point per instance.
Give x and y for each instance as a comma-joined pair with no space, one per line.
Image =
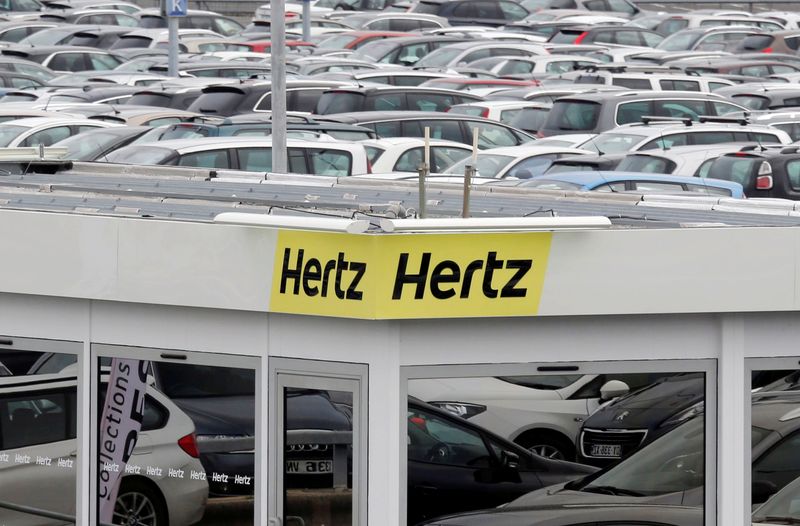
462,409
697,409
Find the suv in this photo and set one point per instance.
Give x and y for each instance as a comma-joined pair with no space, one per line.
608,36
708,39
763,172
763,96
777,42
390,98
598,112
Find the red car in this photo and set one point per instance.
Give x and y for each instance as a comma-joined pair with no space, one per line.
356,39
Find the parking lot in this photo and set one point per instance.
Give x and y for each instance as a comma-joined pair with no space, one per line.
629,174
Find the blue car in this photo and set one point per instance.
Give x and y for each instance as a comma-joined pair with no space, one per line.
640,183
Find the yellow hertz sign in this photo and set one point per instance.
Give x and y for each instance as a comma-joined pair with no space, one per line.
409,276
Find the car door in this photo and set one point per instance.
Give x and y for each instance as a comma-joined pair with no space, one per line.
450,464
37,430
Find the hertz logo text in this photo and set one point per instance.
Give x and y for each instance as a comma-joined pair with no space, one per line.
317,278
448,279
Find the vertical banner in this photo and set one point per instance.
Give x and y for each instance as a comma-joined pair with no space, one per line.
123,412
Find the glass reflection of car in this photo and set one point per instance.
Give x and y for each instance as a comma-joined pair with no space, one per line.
513,162
455,466
38,419
576,515
781,508
671,469
540,413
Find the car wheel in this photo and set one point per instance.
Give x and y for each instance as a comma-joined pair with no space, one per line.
139,504
547,446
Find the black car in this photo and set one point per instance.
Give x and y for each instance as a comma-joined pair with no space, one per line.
473,12
390,98
456,466
621,427
580,515
762,171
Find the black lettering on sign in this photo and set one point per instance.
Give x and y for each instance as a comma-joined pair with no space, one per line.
448,279
314,278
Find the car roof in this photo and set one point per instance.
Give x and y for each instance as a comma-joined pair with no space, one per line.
532,149
642,95
211,143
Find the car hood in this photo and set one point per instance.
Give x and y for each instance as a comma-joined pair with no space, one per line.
220,415
650,405
558,495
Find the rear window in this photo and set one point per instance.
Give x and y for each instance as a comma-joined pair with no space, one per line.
647,164
753,102
737,169
130,42
145,154
672,25
150,99
566,36
339,102
573,116
756,42
221,103
529,119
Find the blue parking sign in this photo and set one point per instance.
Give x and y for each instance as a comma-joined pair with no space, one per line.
177,7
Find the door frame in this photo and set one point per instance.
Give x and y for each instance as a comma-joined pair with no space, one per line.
327,374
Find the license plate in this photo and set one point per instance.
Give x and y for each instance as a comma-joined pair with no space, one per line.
309,467
605,450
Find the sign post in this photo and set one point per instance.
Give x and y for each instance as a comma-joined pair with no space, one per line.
174,9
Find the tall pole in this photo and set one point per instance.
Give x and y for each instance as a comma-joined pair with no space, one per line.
172,58
278,54
307,20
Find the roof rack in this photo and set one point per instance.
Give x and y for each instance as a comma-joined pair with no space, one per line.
743,121
647,119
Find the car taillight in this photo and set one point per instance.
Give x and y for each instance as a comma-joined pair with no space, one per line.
764,176
540,134
581,37
189,445
369,166
485,113
767,50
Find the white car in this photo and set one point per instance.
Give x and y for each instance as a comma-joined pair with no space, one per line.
404,154
526,115
514,162
541,413
322,156
38,422
45,130
530,67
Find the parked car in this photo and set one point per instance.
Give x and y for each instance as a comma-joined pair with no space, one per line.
527,116
763,172
461,54
599,112
634,182
514,162
473,12
45,130
34,415
454,465
608,35
390,98
405,154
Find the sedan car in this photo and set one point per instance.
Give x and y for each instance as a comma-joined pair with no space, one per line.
514,162
454,465
405,154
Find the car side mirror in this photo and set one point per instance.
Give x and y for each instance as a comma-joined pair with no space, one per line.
763,490
613,389
509,460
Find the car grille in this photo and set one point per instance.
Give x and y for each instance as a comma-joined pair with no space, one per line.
628,440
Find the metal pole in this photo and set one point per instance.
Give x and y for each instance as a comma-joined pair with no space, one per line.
469,173
423,173
280,157
172,59
307,20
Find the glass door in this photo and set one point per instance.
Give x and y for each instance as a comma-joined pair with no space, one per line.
318,463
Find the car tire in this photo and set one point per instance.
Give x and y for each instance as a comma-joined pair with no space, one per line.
547,444
139,503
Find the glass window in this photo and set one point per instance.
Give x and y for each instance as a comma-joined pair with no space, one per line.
440,129
667,142
47,137
255,159
646,163
444,156
680,108
339,102
439,441
712,137
753,102
409,161
512,11
632,83
430,101
781,464
531,167
390,129
492,135
386,102
210,159
755,71
634,111
573,116
628,38
22,82
680,85
67,62
331,163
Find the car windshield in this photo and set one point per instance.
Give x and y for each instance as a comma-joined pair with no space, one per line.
674,462
199,381
488,165
612,143
737,169
546,382
145,154
50,37
781,508
9,132
88,146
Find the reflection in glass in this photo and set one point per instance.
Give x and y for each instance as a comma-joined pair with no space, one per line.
191,438
38,449
318,456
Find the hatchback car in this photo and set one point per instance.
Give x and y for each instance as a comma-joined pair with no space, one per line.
405,154
767,172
